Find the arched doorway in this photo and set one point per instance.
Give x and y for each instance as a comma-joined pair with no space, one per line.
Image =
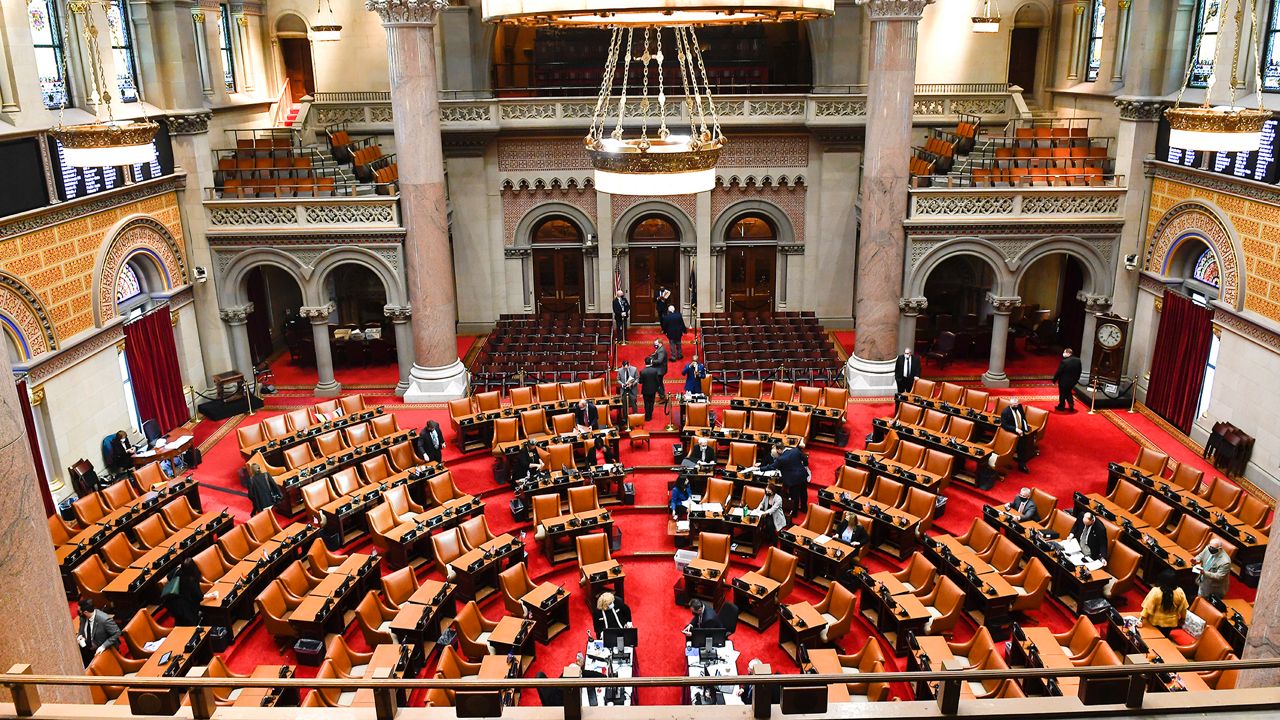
295,55
1051,316
558,278
274,322
1185,355
654,252
359,335
1024,48
956,290
751,259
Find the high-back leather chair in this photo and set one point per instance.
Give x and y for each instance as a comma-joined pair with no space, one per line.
1078,642
594,388
919,575
868,660
118,553
741,455
751,496
473,631
1253,512
1156,512
276,427
521,396
1209,647
401,503
346,481
808,395
459,408
299,419
331,443
1152,462
714,547
1037,420
274,605
296,581
951,393
909,454
1220,493
534,424
443,488
851,479
1126,495
1031,584
697,415
1004,556
376,469
976,399
250,435
328,408
151,532
909,414
448,546
374,620
960,428
515,584
60,530
320,561
920,504
719,491
835,397
945,605
1205,610
315,496
489,401
887,445
141,629
780,566
1187,477
346,662
475,531
934,420
109,663
1123,563
1190,533
298,456
583,499
563,424
571,391
592,549
118,494
782,391
505,430
263,526
1045,503
236,544
382,522
749,388
734,419
837,608
797,424
149,475
819,519
558,456
763,421
923,388
941,464
358,434
399,586
89,509
887,491
384,425
548,392
211,566
545,507
351,404
92,577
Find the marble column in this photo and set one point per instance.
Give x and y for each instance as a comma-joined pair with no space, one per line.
319,315
1001,308
202,52
1093,304
1263,640
404,342
881,239
1135,139
911,309
237,320
437,372
39,629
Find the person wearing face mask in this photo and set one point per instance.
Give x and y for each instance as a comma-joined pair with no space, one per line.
906,369
1066,376
1214,570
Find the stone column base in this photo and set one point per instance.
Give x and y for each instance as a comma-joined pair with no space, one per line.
333,389
437,384
995,381
870,378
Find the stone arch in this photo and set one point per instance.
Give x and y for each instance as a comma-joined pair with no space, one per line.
138,237
982,249
678,217
231,286
290,24
1095,265
524,228
1030,14
23,318
1203,221
313,290
776,215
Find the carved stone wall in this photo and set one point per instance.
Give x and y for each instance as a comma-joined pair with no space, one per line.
141,237
23,317
517,203
687,203
789,199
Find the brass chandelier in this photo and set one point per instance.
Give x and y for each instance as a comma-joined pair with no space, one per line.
987,20
106,143
326,28
1224,128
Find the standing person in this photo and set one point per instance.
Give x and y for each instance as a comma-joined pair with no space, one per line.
621,315
181,595
628,378
263,490
906,369
430,442
1066,377
1014,419
674,328
795,476
650,386
770,508
659,357
98,631
660,300
1214,570
1165,607
693,374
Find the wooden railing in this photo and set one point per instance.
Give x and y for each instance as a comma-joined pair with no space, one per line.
284,100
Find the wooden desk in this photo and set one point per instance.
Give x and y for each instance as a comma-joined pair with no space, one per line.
513,635
1040,649
496,667
757,599
821,560
425,615
988,596
140,583
602,576
232,604
895,616
322,610
268,697
704,579
889,526
175,443
745,531
273,449
826,661
563,529
548,607
398,661
1073,584
801,626
879,466
476,571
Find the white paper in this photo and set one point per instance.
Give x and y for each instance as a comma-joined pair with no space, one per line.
1071,546
822,539
682,526
153,645
713,507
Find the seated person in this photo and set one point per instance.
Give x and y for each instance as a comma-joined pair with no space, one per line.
610,453
1022,506
525,462
121,452
703,454
679,496
703,617
611,612
1091,536
747,691
586,416
848,532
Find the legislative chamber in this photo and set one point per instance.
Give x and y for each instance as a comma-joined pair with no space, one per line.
885,358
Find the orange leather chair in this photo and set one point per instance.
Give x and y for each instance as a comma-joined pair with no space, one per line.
263,526
887,445
545,507
734,419
489,401
118,553
118,494
909,414
515,584
448,546
358,434
328,408
109,663
960,428
1253,511
351,404
346,662
1031,584
1079,642
719,491
571,391
250,435
919,576
345,482
473,631
534,424
797,424
636,429
976,399
1123,563
401,503
315,496
275,605
1004,556
808,395
750,389
1125,495
521,396
89,509
951,393
837,608
374,620
697,415
559,455
320,561
141,629
780,566
741,455
563,424
299,419
763,421
592,549
475,531
211,566
980,538
331,443
298,456
547,392
382,522
714,547
782,391
376,469
869,659
403,457
934,420
506,431
179,513
920,504
151,532
923,388
276,427
399,586
819,519
835,397
1187,477
594,388
1219,493
1152,462
296,582
236,544
384,426
443,488
583,499
60,530
945,605
1156,512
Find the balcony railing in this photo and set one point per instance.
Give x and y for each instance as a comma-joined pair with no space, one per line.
366,212
992,102
940,204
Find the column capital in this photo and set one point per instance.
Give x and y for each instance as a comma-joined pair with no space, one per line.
316,312
398,313
1003,305
1141,109
193,123
236,315
913,306
1094,303
407,12
894,9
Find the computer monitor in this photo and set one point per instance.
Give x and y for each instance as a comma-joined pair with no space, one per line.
626,635
708,637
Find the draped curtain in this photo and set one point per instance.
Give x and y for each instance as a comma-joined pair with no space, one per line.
1178,364
29,420
152,356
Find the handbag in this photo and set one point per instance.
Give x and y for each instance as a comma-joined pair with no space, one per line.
170,589
1193,625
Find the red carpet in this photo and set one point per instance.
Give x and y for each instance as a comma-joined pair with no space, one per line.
300,377
1073,457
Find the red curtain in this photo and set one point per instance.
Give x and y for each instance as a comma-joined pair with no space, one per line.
153,366
1178,364
29,420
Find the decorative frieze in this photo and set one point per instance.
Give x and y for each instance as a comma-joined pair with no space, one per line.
236,315
1268,337
894,9
45,367
961,204
362,212
316,312
188,124
1194,218
72,210
913,305
1140,109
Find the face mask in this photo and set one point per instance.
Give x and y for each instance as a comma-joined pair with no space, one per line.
1213,551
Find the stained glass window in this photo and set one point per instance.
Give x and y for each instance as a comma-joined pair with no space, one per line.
1271,64
1206,269
46,37
1204,43
224,46
1096,20
122,50
127,285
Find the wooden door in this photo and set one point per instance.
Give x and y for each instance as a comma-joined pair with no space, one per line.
653,268
750,277
558,283
1024,43
296,53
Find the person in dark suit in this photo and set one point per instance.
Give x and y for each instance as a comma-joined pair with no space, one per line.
701,453
748,691
693,374
97,632
661,301
610,612
1023,507
650,386
430,442
674,328
264,492
621,315
121,453
849,531
586,416
628,378
791,463
1014,419
183,600
703,617
1091,536
906,369
1066,376
659,357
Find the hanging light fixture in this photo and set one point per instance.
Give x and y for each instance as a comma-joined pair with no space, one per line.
1221,128
988,20
327,28
106,143
666,162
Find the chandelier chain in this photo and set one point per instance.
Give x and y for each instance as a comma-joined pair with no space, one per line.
682,58
622,99
702,69
1256,38
596,133
644,96
663,133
